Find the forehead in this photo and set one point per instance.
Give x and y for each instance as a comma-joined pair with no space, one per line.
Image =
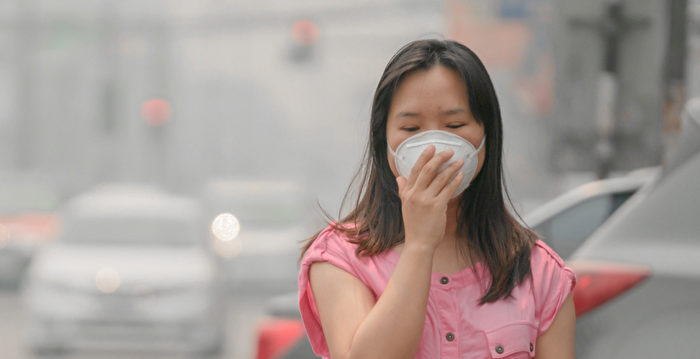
436,88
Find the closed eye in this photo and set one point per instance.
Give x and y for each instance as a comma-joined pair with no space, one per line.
409,129
456,125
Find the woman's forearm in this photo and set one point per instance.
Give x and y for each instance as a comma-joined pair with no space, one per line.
394,326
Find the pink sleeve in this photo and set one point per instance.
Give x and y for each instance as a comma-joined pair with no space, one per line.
552,281
332,247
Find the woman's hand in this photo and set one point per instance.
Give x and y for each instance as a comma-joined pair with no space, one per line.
424,196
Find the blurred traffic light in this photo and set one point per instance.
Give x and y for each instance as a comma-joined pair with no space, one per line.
305,32
305,35
156,111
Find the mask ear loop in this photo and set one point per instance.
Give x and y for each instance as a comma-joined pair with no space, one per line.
478,149
392,152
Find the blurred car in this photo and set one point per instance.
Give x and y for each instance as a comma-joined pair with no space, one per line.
639,274
27,222
281,335
267,215
569,219
131,270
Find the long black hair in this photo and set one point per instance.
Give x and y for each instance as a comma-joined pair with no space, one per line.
491,231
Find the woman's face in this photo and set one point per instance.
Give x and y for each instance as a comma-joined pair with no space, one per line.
433,99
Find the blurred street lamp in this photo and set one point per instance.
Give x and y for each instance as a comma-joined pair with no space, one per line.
156,112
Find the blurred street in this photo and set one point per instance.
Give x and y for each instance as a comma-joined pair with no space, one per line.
243,312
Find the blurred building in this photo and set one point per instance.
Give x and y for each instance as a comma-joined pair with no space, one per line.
179,92
257,88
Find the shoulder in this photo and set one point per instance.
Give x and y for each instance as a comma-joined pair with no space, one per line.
552,282
548,268
331,241
542,254
335,246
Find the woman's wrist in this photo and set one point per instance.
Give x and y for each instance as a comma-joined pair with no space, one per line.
420,247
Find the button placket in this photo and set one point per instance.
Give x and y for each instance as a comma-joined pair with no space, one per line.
449,324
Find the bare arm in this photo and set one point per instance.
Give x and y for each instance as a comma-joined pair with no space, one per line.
558,341
356,327
353,324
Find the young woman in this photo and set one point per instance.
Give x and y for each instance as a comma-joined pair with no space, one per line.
430,263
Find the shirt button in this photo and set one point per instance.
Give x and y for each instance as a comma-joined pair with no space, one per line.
499,349
450,337
444,280
532,347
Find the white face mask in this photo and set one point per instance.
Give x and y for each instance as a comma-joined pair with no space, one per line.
410,149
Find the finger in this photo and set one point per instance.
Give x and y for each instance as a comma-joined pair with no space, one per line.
422,160
443,178
429,171
401,182
451,187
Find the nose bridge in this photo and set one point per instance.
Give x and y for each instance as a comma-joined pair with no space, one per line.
432,125
434,122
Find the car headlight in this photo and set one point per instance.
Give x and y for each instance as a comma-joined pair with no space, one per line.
225,228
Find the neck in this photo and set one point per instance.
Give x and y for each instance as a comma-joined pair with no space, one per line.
451,224
447,256
450,238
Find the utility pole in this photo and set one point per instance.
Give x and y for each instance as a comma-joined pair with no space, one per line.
611,28
609,64
161,38
27,33
675,72
109,86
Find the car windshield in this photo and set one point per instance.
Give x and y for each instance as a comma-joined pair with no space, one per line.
125,230
256,204
267,214
567,230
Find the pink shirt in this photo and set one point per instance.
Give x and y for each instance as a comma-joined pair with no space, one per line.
456,326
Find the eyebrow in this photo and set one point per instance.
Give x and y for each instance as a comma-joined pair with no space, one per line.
415,114
407,114
455,111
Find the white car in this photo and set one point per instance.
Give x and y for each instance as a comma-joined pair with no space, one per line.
131,270
638,291
27,222
565,222
269,221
